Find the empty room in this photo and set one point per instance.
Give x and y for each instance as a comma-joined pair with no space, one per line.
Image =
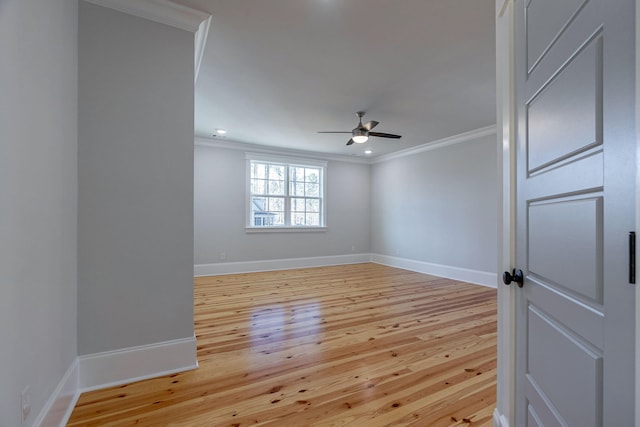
318,213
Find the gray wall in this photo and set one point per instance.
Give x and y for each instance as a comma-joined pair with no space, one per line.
220,213
439,206
38,199
135,173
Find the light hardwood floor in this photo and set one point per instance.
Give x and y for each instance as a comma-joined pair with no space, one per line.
357,345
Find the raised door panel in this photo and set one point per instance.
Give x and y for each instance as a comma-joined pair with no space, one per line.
545,20
564,370
565,245
564,117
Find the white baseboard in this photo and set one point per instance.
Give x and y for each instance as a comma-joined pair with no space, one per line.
277,264
57,410
132,364
96,371
499,420
464,274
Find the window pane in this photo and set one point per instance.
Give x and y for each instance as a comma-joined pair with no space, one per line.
276,204
298,219
276,188
313,219
298,205
276,172
258,204
312,205
312,190
258,170
257,186
278,219
311,175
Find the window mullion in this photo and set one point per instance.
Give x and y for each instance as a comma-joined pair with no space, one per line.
287,198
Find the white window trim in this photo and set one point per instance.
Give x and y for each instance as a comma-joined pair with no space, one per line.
289,161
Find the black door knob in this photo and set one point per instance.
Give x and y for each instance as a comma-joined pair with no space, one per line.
515,276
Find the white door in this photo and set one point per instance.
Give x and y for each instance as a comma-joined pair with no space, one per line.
575,208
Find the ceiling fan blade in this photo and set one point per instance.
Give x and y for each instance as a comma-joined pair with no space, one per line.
370,125
351,141
384,135
334,131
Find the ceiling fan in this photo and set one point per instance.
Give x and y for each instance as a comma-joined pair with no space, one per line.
362,132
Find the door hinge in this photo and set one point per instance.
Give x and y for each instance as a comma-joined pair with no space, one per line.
632,257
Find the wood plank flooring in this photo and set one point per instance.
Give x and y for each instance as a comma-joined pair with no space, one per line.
357,345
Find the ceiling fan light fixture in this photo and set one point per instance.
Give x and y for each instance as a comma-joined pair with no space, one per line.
360,139
360,136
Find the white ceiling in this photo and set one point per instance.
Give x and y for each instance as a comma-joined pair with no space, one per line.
274,72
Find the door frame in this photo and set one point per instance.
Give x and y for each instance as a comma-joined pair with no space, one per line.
504,414
637,324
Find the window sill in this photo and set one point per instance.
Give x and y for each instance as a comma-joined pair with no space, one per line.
285,229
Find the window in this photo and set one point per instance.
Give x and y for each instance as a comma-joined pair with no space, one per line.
285,193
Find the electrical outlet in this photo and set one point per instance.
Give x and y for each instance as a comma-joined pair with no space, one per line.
25,403
353,248
223,256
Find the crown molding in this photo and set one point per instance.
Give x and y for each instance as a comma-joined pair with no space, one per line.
162,11
264,149
200,42
433,145
440,143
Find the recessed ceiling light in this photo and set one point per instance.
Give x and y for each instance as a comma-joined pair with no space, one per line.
221,131
368,152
